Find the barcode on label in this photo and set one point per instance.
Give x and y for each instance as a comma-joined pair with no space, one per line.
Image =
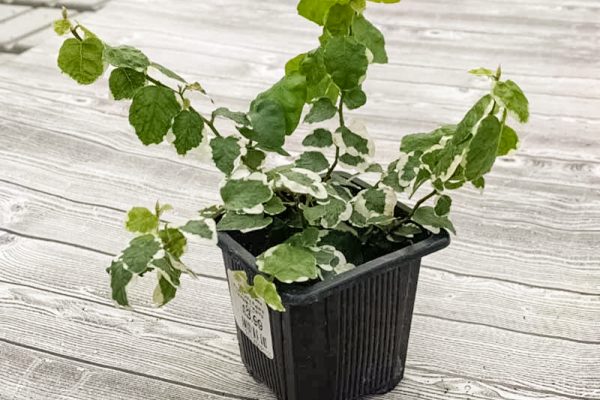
251,316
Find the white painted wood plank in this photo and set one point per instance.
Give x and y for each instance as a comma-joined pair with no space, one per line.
8,11
24,24
87,5
28,374
188,354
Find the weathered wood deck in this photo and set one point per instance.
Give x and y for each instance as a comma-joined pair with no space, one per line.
510,311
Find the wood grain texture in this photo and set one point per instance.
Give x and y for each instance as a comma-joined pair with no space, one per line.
510,311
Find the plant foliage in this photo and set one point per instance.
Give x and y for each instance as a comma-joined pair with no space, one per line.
317,219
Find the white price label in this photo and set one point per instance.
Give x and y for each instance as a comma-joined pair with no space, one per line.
251,316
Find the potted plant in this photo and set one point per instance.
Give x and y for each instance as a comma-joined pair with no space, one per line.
322,267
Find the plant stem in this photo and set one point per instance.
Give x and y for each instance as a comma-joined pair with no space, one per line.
420,203
337,148
74,32
211,125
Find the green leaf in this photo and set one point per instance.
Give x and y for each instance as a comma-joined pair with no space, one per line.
313,161
483,148
141,220
239,118
509,141
482,72
164,292
126,57
321,110
125,82
268,124
274,206
173,241
245,194
328,213
166,270
243,222
319,138
62,26
254,158
346,61
225,152
355,98
354,141
385,1
352,160
119,279
427,217
309,237
211,212
204,228
151,113
268,292
339,19
479,183
82,60
315,10
187,128
510,95
464,130
423,141
366,33
293,65
442,205
318,82
302,181
139,253
167,72
290,93
288,263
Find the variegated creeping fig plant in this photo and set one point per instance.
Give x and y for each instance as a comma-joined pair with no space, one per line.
312,221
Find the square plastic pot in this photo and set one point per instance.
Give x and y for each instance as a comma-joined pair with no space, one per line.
339,339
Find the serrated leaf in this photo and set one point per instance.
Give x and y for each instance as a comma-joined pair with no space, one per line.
313,161
167,270
204,228
126,57
164,292
167,72
124,82
239,118
290,94
187,128
61,26
268,292
288,263
483,148
509,141
268,124
307,238
315,10
238,194
243,222
321,110
355,98
366,33
141,220
225,152
346,61
339,19
82,60
119,279
274,206
152,112
139,253
442,205
173,241
510,95
302,181
319,138
427,217
254,158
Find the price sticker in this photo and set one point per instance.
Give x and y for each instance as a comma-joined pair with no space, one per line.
251,316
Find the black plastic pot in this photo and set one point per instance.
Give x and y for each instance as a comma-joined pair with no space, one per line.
339,339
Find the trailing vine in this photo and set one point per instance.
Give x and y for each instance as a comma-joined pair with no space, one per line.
318,222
